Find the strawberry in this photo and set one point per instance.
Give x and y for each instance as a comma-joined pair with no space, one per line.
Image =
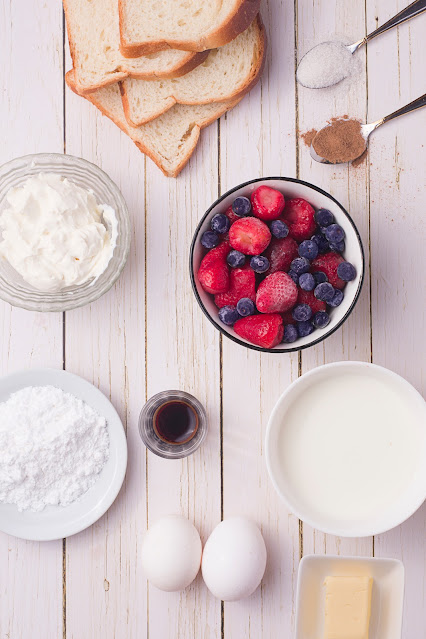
242,283
288,318
328,263
233,217
267,203
281,253
213,273
276,294
263,330
249,235
298,214
308,297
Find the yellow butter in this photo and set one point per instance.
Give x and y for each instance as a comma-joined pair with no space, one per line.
347,607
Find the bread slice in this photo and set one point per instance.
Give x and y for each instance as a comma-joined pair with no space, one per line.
170,139
147,26
228,73
94,38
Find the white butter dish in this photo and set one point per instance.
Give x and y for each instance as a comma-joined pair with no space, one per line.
386,600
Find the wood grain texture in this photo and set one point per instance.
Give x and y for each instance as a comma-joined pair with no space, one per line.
105,344
183,353
252,382
397,199
148,334
318,23
30,572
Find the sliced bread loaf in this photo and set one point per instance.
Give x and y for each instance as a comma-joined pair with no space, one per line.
192,25
94,38
170,139
228,73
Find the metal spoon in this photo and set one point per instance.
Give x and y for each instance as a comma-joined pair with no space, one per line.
367,129
412,10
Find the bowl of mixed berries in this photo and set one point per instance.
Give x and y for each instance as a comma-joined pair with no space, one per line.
277,264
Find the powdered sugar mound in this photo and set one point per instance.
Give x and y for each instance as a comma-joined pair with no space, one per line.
325,65
52,448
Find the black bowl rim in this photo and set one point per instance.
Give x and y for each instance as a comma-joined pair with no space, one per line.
200,302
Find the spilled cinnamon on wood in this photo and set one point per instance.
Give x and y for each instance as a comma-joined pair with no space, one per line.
308,136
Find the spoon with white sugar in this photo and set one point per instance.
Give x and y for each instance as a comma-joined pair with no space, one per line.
330,62
345,140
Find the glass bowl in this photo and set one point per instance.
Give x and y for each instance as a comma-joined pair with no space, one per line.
291,188
13,288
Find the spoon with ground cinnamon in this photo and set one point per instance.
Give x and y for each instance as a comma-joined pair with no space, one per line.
345,139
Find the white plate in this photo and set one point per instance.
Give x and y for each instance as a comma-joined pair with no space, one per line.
386,599
56,522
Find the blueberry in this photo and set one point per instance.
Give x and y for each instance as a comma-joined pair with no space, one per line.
228,315
320,277
338,247
300,265
210,239
308,249
322,243
236,259
307,282
346,271
321,319
324,217
290,334
324,292
337,298
259,263
334,233
220,223
294,276
245,306
302,312
241,206
304,328
279,229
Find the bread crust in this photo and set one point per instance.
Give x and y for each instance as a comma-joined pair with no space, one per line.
243,15
156,158
251,81
189,63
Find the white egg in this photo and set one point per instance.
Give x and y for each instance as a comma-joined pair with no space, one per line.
171,553
234,559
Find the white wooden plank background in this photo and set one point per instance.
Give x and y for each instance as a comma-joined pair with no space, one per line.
147,334
30,572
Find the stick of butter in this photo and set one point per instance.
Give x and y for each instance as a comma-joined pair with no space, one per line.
347,607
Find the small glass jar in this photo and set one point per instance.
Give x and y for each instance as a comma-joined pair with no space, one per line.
160,409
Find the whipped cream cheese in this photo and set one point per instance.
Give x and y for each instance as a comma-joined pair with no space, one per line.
55,234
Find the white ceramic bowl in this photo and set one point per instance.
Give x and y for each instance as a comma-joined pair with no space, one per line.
13,288
291,188
409,486
57,522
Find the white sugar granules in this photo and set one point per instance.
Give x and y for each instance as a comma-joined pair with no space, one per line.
52,448
324,65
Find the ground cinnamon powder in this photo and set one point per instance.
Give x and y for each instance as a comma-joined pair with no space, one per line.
308,136
342,141
360,160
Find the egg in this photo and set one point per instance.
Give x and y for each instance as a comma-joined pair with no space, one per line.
171,553
234,559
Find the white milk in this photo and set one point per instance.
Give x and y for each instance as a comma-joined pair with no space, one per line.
350,446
